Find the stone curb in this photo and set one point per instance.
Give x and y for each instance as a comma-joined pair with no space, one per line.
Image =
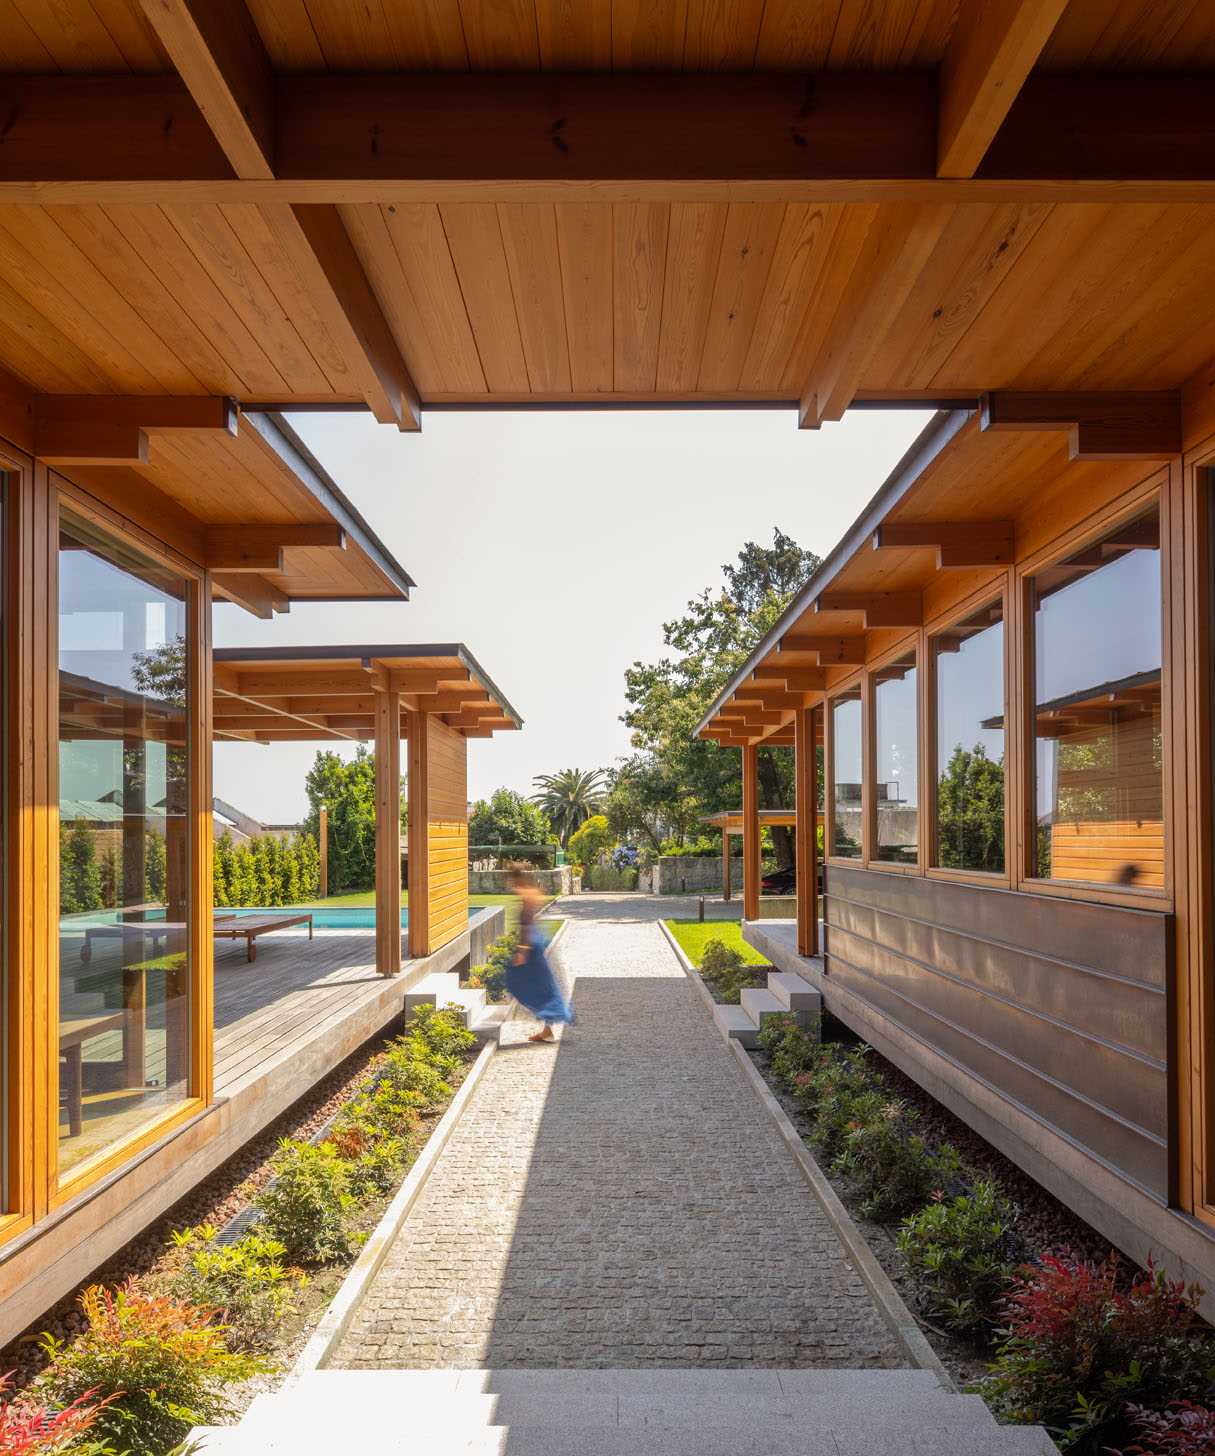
337,1317
887,1298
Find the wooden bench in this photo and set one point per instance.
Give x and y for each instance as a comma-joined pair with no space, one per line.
74,1031
249,927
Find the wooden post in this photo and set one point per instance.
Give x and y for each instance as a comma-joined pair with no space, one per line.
751,861
805,833
388,834
323,836
201,807
725,863
418,791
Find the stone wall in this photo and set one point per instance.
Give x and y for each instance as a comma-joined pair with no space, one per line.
494,882
676,874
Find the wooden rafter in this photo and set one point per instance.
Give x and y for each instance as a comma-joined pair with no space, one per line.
994,46
218,53
83,429
880,609
1109,425
251,591
956,543
832,651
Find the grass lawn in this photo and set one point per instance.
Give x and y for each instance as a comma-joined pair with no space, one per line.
694,935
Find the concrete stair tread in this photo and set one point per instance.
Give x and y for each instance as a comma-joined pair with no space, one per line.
792,991
758,1003
735,1024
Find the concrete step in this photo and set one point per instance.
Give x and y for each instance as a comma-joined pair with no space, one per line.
440,988
472,999
488,1023
759,1004
794,994
735,1025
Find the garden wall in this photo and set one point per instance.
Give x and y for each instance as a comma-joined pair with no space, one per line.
494,882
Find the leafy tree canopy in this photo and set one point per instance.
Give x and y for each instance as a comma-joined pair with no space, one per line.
507,818
591,840
347,790
569,798
707,644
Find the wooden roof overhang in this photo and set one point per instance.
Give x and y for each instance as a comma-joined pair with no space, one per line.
410,206
318,694
234,491
964,502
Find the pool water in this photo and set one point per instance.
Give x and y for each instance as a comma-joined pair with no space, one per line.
333,917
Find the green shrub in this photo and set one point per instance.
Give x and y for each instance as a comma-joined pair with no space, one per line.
305,1206
376,1170
412,1069
29,1427
836,1113
607,877
890,1167
960,1253
443,1031
164,1364
792,1049
492,975
244,1282
1083,1351
724,969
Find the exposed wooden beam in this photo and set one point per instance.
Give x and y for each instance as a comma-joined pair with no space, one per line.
956,543
268,685
994,46
218,53
255,559
832,651
1097,137
252,592
1112,425
793,679
72,442
769,697
425,680
881,609
243,540
897,247
315,238
89,429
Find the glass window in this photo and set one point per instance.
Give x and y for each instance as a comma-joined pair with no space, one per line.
1098,753
969,659
896,781
846,775
124,858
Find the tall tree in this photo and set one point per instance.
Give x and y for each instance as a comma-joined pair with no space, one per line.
507,818
707,645
569,798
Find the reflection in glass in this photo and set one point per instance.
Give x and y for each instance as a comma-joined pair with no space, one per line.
1097,703
846,775
896,785
969,660
124,845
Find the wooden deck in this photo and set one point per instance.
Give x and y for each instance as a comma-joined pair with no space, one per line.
295,992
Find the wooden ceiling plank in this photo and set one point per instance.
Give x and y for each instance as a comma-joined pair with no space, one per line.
584,237
748,249
474,236
693,249
639,252
574,37
533,262
802,252
994,47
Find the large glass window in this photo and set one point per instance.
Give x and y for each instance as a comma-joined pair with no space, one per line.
969,660
1097,701
124,747
846,775
896,780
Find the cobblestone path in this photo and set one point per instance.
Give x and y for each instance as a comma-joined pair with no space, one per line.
619,1199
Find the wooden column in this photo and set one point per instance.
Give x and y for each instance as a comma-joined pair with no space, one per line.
388,834
418,793
323,836
805,833
202,819
750,807
725,863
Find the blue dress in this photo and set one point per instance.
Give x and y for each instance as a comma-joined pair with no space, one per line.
533,984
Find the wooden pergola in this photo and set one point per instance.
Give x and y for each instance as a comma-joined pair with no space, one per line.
731,822
435,697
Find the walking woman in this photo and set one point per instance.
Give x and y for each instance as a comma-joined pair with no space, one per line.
530,978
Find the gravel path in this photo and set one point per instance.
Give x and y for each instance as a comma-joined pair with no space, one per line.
617,1200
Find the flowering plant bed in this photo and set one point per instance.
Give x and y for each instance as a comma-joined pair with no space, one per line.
217,1316
1021,1301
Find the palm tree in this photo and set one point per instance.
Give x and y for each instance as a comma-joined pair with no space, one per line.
569,798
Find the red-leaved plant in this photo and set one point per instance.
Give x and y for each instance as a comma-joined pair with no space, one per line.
1083,1346
1185,1429
29,1428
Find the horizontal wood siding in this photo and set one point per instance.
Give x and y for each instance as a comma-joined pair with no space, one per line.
1059,1005
448,847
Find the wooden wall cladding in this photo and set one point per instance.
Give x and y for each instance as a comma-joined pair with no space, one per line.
447,854
1059,1005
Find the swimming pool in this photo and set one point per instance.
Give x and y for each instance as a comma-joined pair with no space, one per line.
332,917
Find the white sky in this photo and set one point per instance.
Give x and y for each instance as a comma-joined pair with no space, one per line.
554,545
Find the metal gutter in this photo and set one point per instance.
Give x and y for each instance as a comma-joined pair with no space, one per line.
938,433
